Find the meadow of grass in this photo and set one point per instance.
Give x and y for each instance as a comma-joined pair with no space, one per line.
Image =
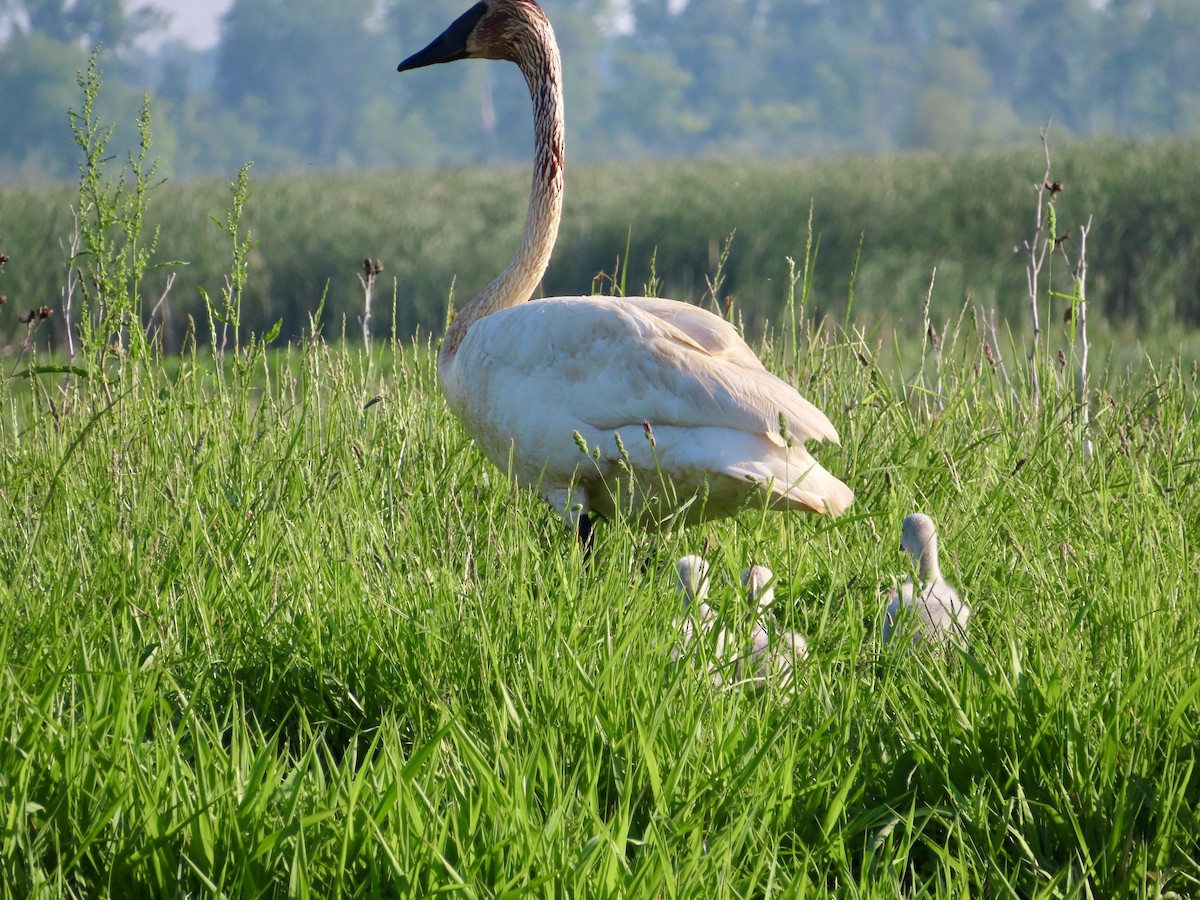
262,636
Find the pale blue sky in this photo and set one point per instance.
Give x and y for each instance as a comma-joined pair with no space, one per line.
198,21
194,21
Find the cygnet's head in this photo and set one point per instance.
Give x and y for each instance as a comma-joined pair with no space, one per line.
756,580
916,534
692,572
793,645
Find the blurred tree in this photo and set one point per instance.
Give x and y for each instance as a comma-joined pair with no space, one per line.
303,82
687,76
822,65
957,107
1043,55
584,29
448,113
1148,72
481,111
86,23
294,69
1131,82
43,44
37,87
645,105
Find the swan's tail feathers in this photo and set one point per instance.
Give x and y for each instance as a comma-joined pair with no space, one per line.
805,485
819,491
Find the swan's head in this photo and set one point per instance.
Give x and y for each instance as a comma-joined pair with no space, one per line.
491,29
692,572
916,535
756,580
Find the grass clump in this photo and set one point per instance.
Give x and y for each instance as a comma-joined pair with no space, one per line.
900,218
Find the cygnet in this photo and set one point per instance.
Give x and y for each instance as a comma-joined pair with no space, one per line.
931,610
692,585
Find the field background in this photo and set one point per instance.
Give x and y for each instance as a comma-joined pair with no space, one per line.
262,635
884,224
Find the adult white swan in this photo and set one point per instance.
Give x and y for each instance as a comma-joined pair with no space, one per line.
665,387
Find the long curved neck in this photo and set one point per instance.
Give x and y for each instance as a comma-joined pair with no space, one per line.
539,62
927,562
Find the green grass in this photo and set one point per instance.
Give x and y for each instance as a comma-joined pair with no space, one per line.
260,640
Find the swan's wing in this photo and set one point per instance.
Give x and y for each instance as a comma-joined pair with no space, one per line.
617,363
900,614
695,620
715,336
793,646
758,662
891,614
944,609
699,334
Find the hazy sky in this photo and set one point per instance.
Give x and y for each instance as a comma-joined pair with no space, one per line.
194,21
197,21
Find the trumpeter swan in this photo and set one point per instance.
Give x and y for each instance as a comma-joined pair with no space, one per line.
663,386
692,574
759,584
791,649
753,662
931,610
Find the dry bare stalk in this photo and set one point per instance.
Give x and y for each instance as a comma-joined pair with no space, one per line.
367,278
996,347
368,282
157,306
1081,278
931,337
72,283
1033,269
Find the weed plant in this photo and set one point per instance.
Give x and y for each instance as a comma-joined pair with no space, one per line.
272,626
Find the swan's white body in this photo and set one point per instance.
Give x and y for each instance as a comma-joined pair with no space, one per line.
528,379
931,609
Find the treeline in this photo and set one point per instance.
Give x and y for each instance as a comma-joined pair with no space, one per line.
296,84
880,229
